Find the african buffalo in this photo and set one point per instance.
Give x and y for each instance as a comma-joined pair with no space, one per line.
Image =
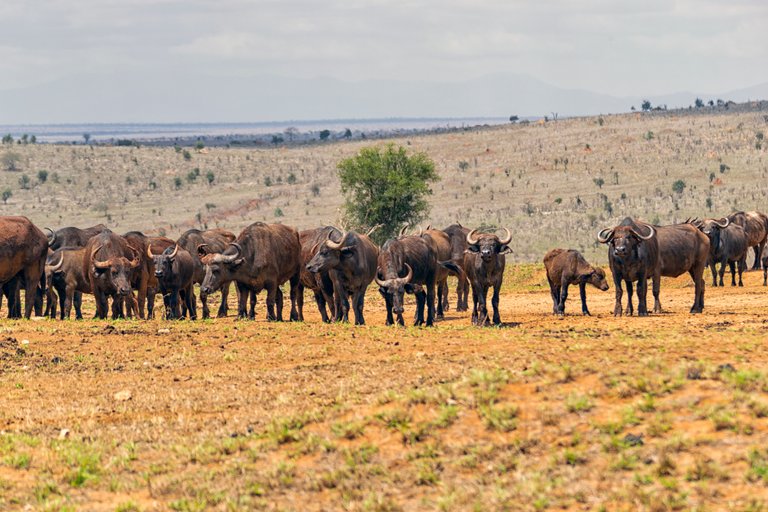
484,262
755,226
444,253
109,263
458,236
728,245
633,255
351,265
682,248
64,269
403,263
566,267
23,251
215,240
264,256
174,270
72,236
319,282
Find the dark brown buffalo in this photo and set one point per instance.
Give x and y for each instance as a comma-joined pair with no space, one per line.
174,270
72,236
458,236
156,244
64,269
633,256
404,263
320,281
755,226
23,250
215,240
682,248
109,263
264,256
140,276
351,264
566,267
484,262
728,245
444,253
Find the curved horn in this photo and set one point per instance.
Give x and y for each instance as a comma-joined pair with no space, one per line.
647,237
136,261
604,239
723,226
97,263
470,240
421,231
175,250
55,268
429,226
335,245
52,237
382,282
149,250
402,231
231,257
408,276
505,241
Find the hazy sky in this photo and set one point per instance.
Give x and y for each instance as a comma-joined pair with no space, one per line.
610,46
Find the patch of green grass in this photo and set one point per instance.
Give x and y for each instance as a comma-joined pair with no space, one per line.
394,419
428,472
578,403
128,506
348,429
758,465
500,418
447,416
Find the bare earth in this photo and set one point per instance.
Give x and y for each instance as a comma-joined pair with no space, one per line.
239,415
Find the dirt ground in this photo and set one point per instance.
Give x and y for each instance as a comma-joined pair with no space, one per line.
668,412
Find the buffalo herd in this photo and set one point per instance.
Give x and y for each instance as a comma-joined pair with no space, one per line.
56,268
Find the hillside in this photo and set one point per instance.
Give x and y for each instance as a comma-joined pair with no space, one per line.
553,184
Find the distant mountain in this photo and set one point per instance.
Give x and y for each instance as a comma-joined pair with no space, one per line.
196,97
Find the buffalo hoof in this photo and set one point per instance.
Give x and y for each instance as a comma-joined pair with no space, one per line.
586,313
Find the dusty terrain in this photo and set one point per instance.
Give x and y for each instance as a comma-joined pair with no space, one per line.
668,412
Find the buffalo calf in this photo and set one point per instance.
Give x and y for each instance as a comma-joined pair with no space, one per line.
566,267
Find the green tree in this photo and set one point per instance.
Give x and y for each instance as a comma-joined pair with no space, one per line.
87,137
42,176
210,177
11,161
678,186
24,181
199,145
7,193
386,186
699,103
645,105
324,134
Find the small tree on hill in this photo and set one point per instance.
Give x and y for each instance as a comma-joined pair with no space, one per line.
7,193
645,105
386,186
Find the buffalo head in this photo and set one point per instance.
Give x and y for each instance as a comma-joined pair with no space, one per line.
394,288
329,254
488,245
624,239
219,267
116,270
163,262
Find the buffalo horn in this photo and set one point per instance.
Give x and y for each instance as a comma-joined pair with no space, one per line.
56,267
506,240
723,226
470,237
374,228
408,276
335,245
384,283
149,250
402,231
649,235
604,239
97,263
231,257
175,250
201,249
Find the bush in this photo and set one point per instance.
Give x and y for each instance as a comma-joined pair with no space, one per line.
386,186
209,176
24,181
42,176
7,193
11,161
678,186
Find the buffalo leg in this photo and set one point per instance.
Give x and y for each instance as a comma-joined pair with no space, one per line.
242,302
495,304
252,310
388,306
554,292
300,302
462,292
440,286
272,295
475,303
619,292
562,297
189,299
713,268
320,301
69,295
656,284
223,307
756,264
295,281
698,282
358,301
723,264
642,296
583,296
279,303
765,275
430,303
630,291
742,268
421,299
204,302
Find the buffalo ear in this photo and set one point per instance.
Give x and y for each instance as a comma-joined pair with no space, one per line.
473,248
505,249
237,262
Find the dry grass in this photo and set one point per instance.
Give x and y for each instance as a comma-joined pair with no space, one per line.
514,176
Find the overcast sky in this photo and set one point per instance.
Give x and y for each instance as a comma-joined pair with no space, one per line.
616,47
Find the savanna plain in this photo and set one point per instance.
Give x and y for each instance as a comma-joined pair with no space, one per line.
667,412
